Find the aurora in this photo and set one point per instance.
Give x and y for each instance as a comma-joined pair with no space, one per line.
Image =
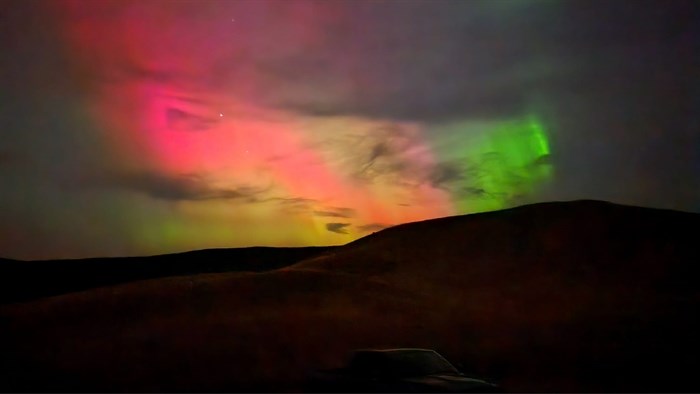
149,127
495,163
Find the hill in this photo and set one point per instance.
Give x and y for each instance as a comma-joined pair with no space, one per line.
29,280
570,296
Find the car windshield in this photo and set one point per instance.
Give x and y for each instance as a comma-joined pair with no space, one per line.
401,364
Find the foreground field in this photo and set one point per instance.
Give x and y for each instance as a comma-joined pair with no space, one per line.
580,296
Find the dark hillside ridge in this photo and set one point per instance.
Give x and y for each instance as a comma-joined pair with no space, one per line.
544,212
574,235
29,280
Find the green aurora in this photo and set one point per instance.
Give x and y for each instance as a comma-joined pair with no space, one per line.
494,164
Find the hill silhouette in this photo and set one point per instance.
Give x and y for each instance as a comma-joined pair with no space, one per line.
28,280
577,239
564,296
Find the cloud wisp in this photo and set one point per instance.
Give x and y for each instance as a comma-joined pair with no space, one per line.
336,212
176,188
339,228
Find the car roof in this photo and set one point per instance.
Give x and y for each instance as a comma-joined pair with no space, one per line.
396,350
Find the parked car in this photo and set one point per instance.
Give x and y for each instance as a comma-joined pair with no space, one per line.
397,370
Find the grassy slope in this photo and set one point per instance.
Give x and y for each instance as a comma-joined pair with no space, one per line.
222,332
550,297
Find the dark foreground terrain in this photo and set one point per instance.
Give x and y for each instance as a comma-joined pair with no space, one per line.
574,296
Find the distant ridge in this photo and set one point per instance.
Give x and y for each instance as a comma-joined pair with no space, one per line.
28,280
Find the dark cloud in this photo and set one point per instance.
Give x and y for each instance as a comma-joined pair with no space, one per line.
291,205
181,120
339,228
197,188
445,173
543,160
436,60
490,176
330,214
379,150
474,192
293,200
372,227
470,64
392,153
294,203
185,187
335,212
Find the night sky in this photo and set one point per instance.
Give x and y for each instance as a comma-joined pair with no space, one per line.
145,127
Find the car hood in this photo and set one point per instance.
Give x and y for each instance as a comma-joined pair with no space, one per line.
451,383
